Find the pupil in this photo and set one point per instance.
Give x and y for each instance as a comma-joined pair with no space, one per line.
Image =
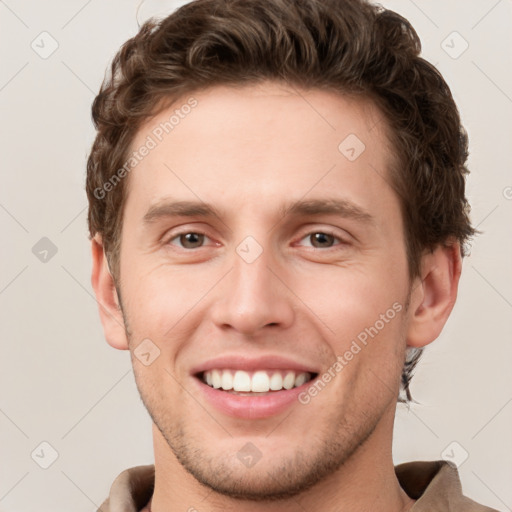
322,238
191,239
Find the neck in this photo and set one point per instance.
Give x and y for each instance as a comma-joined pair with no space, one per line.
365,482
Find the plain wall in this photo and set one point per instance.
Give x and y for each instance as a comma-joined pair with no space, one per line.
61,383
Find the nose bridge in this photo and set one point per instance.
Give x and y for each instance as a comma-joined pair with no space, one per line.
252,296
251,275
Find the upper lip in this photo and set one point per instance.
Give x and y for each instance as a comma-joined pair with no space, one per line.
240,362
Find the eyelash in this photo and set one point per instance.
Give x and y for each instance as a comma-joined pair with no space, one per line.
323,232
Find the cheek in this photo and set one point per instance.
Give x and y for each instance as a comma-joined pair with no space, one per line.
160,296
362,318
348,300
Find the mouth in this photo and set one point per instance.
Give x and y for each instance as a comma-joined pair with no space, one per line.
251,388
254,383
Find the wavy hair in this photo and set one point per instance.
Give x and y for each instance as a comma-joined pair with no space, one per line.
350,46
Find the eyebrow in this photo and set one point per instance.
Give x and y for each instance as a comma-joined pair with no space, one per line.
171,208
301,208
340,207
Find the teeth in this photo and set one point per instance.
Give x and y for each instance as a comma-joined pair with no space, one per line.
276,382
260,381
242,381
289,380
216,378
301,379
227,381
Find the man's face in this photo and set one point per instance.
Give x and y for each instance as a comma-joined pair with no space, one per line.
263,293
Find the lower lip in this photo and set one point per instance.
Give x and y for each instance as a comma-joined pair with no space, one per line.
251,407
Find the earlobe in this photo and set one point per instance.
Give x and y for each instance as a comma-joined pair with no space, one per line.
106,295
434,295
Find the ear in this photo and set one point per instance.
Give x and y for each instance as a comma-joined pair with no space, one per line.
433,296
106,296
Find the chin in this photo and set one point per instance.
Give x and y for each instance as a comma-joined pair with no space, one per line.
258,470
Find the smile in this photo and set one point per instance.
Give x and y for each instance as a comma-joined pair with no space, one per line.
259,381
252,388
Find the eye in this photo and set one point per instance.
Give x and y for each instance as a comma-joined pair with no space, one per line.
189,240
321,239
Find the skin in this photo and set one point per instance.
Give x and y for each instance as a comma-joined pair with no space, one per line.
248,151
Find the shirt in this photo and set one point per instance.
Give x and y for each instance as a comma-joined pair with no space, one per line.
434,484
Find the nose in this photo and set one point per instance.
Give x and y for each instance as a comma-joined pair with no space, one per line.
253,296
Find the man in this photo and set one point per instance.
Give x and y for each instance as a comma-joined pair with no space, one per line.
278,218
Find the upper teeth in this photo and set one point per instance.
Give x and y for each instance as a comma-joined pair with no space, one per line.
260,381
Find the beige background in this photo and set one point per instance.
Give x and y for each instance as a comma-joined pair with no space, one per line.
62,384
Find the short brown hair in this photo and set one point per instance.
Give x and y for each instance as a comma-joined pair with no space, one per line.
350,46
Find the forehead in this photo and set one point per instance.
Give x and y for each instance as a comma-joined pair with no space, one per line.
262,141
